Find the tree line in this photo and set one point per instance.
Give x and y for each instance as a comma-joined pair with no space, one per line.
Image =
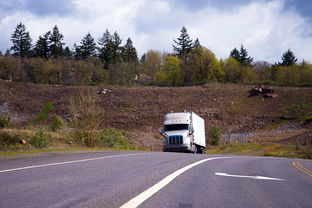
107,61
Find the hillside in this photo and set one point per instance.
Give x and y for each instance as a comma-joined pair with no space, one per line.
140,110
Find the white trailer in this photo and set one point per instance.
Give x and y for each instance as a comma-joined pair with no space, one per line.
184,132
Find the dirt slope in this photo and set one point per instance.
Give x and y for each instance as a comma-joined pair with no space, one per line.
141,109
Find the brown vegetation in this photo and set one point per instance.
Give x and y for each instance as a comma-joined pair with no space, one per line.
140,110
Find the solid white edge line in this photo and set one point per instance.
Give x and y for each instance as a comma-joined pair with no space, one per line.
67,162
252,177
139,199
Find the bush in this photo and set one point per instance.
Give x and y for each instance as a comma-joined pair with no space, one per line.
86,137
4,121
85,111
57,123
8,139
214,135
40,139
114,138
43,115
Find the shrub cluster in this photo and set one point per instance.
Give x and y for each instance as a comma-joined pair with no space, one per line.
4,121
38,138
214,135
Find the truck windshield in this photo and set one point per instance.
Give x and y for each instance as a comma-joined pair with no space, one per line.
176,127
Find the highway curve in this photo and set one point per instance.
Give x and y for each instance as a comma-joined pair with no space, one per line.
154,179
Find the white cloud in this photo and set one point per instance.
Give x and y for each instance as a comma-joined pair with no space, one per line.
264,27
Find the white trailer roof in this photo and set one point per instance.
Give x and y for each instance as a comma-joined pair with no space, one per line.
177,118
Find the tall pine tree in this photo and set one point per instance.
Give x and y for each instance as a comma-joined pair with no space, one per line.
21,41
42,48
88,47
184,44
288,58
56,46
129,53
105,48
243,56
235,54
196,43
116,48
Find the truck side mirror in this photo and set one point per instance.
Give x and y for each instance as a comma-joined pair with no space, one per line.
191,131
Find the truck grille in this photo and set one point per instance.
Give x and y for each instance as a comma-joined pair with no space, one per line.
175,139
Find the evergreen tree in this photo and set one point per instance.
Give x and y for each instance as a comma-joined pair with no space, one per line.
235,54
67,52
243,56
56,46
129,53
196,44
21,41
77,51
105,48
42,46
115,47
288,58
184,44
88,47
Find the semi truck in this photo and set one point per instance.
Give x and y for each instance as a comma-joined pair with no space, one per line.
183,132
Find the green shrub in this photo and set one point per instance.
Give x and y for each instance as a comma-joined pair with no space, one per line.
43,115
114,138
85,111
40,139
8,139
214,135
86,137
4,121
303,110
57,123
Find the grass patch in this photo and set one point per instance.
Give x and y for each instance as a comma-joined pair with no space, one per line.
298,111
132,108
4,121
111,138
291,151
273,126
58,123
40,139
115,138
16,139
263,149
45,110
67,150
236,148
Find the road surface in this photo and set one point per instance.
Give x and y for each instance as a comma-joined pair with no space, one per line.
151,179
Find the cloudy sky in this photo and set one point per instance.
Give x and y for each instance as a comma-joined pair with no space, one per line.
267,28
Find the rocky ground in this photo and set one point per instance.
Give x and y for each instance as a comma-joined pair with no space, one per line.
140,110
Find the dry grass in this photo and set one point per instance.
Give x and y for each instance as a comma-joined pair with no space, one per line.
263,149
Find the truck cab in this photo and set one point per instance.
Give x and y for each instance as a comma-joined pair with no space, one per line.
183,132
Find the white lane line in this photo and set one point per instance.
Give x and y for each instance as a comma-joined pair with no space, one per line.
139,199
252,177
67,162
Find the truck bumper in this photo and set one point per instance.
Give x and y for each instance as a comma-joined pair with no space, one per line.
176,148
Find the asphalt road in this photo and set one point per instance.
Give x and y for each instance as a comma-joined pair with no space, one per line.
113,179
